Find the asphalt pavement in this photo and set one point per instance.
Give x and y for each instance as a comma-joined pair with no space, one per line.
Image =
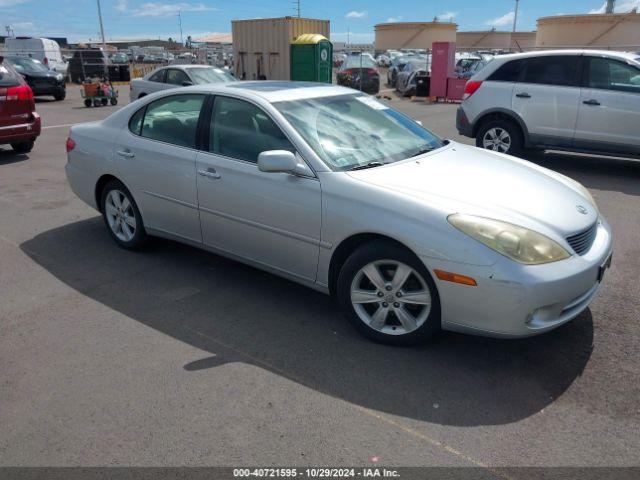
174,356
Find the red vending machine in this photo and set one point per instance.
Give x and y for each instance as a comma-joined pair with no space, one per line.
443,66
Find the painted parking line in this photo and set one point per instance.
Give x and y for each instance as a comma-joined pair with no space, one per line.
59,126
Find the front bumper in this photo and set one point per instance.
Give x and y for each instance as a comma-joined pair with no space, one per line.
515,300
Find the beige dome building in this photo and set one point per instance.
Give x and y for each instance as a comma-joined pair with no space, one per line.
618,30
390,36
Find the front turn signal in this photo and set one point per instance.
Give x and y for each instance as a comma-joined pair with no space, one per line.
455,278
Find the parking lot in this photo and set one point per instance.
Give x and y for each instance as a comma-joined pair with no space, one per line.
174,356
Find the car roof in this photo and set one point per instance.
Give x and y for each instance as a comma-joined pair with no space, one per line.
276,90
543,53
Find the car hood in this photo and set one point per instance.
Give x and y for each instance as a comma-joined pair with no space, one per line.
463,179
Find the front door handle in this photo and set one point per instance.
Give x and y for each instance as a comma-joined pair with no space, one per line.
523,95
125,153
593,102
209,173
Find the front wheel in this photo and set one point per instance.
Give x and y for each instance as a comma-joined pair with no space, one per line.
500,136
122,217
60,96
388,295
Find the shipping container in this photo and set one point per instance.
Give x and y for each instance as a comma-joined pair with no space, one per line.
262,47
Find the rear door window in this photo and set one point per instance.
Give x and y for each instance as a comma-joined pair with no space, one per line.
561,70
609,74
173,120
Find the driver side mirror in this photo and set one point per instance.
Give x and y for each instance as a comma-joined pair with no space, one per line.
187,83
277,161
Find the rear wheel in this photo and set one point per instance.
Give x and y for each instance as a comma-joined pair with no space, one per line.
113,101
121,216
500,135
22,147
87,102
388,295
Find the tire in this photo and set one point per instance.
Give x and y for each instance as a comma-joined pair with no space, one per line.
505,132
87,102
97,102
60,96
113,101
105,102
142,95
382,313
22,147
123,221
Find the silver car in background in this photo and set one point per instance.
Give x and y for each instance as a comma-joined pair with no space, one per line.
330,188
177,76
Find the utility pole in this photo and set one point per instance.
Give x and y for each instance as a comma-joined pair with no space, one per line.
610,5
104,43
515,16
180,22
298,7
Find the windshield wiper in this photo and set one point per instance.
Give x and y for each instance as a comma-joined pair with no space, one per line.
366,165
424,150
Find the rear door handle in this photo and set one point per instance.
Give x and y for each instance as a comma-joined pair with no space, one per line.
591,102
209,173
125,153
523,95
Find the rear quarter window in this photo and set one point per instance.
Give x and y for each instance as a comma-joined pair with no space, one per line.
509,72
8,76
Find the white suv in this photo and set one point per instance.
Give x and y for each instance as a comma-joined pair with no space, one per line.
579,100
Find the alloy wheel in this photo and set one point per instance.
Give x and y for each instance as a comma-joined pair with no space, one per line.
497,139
120,215
390,297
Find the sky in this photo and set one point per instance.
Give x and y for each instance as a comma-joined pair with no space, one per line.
131,19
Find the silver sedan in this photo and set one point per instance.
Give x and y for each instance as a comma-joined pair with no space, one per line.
176,76
332,189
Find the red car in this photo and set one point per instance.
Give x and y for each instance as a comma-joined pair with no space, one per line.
19,122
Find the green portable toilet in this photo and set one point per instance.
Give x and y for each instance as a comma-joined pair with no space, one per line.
311,58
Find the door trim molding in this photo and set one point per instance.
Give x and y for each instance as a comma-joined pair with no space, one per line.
170,199
262,226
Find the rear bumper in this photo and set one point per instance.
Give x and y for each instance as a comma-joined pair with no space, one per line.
21,132
463,125
514,300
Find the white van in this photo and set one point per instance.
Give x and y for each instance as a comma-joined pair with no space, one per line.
43,49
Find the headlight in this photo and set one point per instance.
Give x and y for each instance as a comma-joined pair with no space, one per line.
59,76
517,243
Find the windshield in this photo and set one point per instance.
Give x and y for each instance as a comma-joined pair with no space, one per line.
210,75
27,65
348,131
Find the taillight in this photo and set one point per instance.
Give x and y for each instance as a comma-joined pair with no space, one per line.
70,144
21,92
348,71
470,88
45,61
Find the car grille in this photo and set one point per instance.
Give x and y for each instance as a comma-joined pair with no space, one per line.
581,242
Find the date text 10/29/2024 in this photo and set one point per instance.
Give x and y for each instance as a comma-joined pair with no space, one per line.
364,472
